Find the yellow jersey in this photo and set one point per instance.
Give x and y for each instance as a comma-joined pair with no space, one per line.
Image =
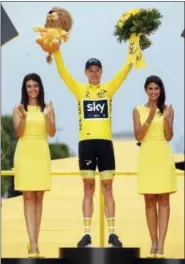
94,101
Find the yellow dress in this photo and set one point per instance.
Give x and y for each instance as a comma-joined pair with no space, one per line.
156,165
32,156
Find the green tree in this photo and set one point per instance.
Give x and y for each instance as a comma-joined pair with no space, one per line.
8,144
59,150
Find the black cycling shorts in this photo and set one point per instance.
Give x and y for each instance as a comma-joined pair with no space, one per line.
96,152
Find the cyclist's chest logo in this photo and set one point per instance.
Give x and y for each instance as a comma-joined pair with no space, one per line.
95,109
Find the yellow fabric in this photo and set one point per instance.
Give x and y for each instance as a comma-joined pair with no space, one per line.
32,156
87,225
88,174
126,16
156,165
93,100
107,175
111,225
135,53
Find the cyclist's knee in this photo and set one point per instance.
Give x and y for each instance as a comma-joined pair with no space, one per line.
106,186
89,187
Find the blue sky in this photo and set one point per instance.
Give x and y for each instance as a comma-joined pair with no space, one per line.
92,36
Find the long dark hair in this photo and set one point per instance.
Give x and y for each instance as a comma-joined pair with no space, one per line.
162,97
24,98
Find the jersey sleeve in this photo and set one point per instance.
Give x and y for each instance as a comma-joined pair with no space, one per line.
66,76
116,82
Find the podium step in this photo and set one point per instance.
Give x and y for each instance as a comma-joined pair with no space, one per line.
99,255
90,261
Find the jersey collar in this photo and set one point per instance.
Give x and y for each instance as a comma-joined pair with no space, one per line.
91,86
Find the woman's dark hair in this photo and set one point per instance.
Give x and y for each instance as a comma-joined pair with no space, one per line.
162,97
24,99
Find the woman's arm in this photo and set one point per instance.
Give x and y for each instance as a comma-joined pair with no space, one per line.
141,130
168,122
49,115
19,119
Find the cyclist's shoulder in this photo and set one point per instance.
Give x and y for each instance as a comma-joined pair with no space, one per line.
80,89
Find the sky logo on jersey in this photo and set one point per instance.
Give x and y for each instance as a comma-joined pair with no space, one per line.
95,109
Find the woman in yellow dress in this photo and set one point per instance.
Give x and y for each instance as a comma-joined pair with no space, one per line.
153,127
33,121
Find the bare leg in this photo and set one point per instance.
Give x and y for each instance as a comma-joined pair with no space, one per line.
109,199
89,188
163,219
38,211
109,207
151,216
29,213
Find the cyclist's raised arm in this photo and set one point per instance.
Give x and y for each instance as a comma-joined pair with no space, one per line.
66,76
119,78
